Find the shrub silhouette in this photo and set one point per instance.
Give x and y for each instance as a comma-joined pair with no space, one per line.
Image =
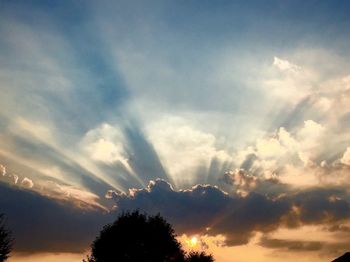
136,237
6,240
199,257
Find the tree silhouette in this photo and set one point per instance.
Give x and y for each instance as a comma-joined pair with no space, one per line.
199,257
343,258
6,240
135,237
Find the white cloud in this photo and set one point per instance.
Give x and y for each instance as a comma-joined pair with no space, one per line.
79,197
182,148
26,182
8,177
105,151
285,65
346,157
269,148
105,144
310,131
287,153
2,170
287,82
15,178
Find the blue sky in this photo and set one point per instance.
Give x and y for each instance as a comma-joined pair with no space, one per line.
245,98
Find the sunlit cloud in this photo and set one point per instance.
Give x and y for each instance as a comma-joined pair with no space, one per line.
285,65
185,150
26,182
346,157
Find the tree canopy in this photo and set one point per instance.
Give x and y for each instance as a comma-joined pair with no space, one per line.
6,240
135,237
199,257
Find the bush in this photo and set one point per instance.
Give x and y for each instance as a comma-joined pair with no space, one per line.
6,240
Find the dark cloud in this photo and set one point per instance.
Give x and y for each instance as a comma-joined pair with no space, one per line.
339,228
321,206
208,210
43,224
40,224
292,245
324,248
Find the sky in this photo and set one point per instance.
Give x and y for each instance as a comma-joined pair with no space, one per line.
229,118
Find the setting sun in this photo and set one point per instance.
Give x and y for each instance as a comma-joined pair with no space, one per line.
192,242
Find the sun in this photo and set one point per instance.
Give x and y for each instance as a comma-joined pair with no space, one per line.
192,242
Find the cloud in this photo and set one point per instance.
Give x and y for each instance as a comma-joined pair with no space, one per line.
124,149
26,182
296,156
285,65
291,245
193,105
319,206
7,177
325,244
288,82
15,178
69,194
106,151
346,157
183,148
42,224
56,225
55,190
205,209
242,183
105,144
201,207
2,170
42,161
47,257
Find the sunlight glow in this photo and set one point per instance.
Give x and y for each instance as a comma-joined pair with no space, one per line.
192,242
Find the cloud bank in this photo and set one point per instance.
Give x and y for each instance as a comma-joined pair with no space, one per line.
205,209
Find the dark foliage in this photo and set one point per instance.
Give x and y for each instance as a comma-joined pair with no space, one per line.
6,240
135,237
343,258
199,257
